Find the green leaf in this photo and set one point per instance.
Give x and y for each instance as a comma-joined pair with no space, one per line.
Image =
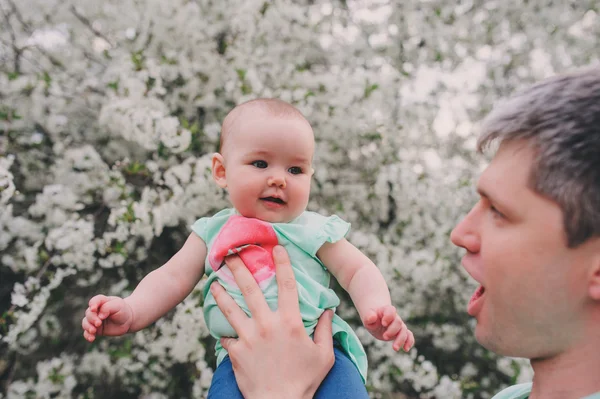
241,73
113,85
370,89
47,79
138,60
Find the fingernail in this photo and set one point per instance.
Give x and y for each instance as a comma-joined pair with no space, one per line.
213,287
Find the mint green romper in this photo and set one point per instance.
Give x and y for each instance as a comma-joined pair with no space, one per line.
302,238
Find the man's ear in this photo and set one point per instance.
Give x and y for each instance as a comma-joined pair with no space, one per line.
594,281
218,170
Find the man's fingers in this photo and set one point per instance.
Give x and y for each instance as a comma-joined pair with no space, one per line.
227,342
233,313
323,335
286,283
250,290
323,338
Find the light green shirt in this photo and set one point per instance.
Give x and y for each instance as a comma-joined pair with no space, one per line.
522,391
302,238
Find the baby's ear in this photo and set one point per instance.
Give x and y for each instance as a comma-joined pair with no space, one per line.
218,170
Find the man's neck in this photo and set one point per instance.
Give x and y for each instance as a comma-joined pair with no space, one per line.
569,375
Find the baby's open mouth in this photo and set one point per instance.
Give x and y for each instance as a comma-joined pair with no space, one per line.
274,199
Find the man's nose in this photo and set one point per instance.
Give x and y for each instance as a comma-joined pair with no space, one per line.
466,233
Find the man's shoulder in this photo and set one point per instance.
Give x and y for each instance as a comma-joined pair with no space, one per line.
520,391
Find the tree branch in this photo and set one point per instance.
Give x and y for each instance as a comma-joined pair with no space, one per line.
89,25
13,37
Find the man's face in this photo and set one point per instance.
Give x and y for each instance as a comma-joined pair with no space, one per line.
533,288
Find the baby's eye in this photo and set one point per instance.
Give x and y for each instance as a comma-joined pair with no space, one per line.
295,170
260,164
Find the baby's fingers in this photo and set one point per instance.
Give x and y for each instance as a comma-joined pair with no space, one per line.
401,339
87,326
92,318
388,314
89,331
410,341
371,318
393,329
96,302
116,310
89,337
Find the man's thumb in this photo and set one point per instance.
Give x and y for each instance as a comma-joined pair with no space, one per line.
323,334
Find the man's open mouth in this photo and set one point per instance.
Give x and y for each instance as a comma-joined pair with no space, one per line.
477,294
476,302
274,199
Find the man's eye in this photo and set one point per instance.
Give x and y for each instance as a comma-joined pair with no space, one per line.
295,170
496,212
260,164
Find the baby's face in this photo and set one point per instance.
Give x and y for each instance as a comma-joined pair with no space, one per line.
268,167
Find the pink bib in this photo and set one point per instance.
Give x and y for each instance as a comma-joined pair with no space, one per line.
253,241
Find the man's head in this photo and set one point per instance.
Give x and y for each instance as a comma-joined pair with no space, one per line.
265,160
533,239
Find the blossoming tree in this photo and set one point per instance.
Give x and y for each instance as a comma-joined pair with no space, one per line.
109,112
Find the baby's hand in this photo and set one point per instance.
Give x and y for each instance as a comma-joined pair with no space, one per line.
385,324
109,316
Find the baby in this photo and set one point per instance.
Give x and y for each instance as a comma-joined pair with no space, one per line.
265,164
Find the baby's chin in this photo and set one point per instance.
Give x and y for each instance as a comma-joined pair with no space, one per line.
271,217
276,218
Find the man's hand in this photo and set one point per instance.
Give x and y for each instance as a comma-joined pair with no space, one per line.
109,316
273,356
385,324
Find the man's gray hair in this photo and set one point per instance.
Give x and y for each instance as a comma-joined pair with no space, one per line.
560,118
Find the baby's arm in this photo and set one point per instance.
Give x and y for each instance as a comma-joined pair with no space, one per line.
359,276
164,288
157,293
